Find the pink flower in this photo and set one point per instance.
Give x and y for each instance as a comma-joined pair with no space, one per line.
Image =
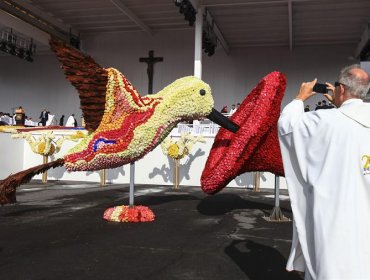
134,214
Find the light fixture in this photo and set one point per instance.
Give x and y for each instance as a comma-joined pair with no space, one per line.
178,3
17,46
209,38
187,9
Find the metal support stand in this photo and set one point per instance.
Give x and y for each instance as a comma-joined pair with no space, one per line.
257,177
45,160
132,183
276,214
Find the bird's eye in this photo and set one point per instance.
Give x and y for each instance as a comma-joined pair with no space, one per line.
202,92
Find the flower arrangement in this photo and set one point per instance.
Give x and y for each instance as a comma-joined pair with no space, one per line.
255,147
182,147
133,125
134,214
46,144
179,149
8,129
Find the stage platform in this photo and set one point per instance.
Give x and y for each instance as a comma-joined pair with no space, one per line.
56,231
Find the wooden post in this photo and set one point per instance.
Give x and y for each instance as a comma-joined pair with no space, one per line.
103,177
45,173
257,177
176,174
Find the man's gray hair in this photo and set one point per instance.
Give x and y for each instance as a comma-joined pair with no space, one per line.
356,87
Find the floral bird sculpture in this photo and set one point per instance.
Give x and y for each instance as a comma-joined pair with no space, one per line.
122,125
132,126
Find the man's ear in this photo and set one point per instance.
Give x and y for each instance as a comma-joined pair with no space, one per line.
342,89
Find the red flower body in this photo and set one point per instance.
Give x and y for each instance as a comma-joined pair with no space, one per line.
255,147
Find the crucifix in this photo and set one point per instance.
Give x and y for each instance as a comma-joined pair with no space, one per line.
150,70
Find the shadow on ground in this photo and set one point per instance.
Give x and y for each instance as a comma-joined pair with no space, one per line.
259,262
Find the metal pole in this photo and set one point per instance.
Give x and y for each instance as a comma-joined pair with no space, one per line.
277,187
198,43
132,183
276,214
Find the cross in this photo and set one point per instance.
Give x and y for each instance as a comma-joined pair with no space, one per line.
150,70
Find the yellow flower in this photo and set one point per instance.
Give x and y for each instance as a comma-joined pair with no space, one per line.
182,147
78,135
45,144
173,151
42,151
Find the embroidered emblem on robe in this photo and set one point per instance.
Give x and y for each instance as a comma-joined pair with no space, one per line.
366,160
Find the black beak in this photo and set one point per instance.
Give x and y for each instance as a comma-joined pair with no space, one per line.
223,121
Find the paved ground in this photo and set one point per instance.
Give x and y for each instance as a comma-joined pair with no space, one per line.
57,232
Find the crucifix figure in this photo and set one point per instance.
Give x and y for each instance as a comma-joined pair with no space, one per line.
150,70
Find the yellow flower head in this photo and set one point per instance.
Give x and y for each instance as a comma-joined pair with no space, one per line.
42,151
78,135
173,151
182,147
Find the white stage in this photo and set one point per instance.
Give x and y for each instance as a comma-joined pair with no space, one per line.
154,169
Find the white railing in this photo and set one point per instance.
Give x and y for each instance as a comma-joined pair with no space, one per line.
210,129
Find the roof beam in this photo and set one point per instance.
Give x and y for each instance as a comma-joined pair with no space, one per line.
47,16
122,7
23,27
14,13
290,15
228,4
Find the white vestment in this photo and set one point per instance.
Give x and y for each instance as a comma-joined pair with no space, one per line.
70,121
50,120
326,155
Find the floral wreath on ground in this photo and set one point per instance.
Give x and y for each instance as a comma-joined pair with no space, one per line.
132,214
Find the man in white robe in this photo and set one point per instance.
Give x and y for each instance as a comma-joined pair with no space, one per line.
326,156
71,121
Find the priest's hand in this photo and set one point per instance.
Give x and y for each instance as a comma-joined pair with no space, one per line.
306,90
330,88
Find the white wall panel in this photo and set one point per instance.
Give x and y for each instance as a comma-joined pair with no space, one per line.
11,155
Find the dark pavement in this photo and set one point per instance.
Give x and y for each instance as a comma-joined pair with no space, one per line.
57,232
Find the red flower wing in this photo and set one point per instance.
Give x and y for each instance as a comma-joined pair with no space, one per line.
255,146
